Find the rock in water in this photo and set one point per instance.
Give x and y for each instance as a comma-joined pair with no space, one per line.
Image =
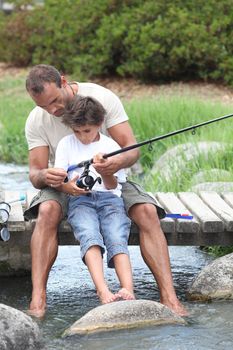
17,330
215,281
124,314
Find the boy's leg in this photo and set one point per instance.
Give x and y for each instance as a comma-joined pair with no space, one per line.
115,226
85,223
94,262
124,274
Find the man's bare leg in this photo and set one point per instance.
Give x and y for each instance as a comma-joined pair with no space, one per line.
44,248
155,254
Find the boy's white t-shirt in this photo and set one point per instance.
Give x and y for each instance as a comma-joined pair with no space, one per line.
71,151
44,129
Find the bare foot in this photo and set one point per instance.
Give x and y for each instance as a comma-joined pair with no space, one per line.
37,309
177,308
106,296
125,294
38,313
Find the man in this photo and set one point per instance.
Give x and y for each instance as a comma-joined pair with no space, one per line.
44,129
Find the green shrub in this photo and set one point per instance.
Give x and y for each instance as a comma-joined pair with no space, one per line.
149,40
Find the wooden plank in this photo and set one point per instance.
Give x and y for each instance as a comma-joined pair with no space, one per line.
228,198
172,204
16,218
219,207
210,222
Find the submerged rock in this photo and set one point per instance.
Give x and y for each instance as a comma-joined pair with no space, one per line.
215,281
124,314
17,330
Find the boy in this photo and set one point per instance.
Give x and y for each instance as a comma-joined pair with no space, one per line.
98,217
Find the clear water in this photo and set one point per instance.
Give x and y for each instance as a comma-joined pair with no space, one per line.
71,294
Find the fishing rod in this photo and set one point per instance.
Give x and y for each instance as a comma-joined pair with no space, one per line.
87,163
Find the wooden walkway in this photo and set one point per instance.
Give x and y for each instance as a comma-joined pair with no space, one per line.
212,222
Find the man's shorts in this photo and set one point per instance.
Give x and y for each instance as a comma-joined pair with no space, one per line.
132,193
44,195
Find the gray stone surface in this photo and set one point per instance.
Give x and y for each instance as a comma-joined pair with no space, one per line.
218,187
211,175
176,158
215,281
17,330
123,314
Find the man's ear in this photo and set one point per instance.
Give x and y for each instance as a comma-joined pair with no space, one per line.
63,81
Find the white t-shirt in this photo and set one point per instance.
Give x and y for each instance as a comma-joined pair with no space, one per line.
71,151
44,129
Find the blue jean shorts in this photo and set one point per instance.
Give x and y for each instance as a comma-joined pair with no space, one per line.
99,218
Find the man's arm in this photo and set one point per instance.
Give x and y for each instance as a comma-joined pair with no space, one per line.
122,133
39,173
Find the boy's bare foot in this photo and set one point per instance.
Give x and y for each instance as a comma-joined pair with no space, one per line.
125,294
106,296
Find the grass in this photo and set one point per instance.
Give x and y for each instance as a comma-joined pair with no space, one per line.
15,105
152,118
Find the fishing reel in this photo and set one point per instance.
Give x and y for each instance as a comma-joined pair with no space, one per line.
4,216
5,209
87,181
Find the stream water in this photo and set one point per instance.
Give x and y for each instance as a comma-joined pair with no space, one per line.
71,294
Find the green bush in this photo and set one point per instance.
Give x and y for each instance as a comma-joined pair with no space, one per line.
149,40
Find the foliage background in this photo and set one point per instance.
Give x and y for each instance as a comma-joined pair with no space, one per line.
148,40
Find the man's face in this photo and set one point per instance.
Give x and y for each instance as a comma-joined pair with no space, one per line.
52,99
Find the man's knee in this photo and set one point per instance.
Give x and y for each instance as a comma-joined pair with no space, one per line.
144,214
49,213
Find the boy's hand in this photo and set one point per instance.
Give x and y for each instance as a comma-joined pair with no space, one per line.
105,167
71,188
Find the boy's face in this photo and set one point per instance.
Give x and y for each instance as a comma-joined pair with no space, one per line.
87,133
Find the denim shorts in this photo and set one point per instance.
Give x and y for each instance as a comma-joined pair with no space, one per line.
132,193
99,218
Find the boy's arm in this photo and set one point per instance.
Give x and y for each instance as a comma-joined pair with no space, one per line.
110,181
123,135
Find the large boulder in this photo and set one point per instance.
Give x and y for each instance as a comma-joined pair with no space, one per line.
17,330
215,281
123,314
175,159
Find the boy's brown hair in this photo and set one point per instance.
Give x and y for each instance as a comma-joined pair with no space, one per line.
82,110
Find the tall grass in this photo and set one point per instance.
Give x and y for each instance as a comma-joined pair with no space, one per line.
15,105
155,117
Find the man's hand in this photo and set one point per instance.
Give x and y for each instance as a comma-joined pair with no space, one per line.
54,177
